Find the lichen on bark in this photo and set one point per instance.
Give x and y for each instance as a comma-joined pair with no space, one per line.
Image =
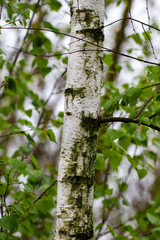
82,107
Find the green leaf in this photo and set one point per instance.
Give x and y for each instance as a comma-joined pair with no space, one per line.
37,51
57,122
129,66
110,202
100,162
145,120
45,205
114,134
150,155
11,84
147,35
30,139
114,158
156,142
140,139
28,112
132,161
119,2
102,190
108,59
124,142
26,14
153,73
153,219
25,149
3,236
137,38
118,67
41,62
122,187
10,223
111,230
115,161
35,163
28,187
65,60
25,122
157,111
4,124
33,174
55,5
1,52
141,173
17,164
45,71
99,226
22,6
3,187
48,25
134,93
156,230
51,135
108,106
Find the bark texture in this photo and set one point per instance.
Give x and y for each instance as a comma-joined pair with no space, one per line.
82,107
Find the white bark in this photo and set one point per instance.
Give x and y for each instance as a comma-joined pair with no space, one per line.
82,107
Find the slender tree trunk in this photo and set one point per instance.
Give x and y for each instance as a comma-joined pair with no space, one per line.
82,107
119,40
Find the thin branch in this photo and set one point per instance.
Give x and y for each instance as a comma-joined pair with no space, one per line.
116,227
86,41
2,212
128,120
7,180
146,103
50,95
150,42
147,9
133,19
58,54
152,116
30,23
153,85
137,35
41,195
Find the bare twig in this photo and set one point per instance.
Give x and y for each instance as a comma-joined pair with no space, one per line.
134,30
135,20
40,196
50,95
86,41
147,9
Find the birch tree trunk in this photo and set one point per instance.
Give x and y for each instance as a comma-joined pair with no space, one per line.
82,107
